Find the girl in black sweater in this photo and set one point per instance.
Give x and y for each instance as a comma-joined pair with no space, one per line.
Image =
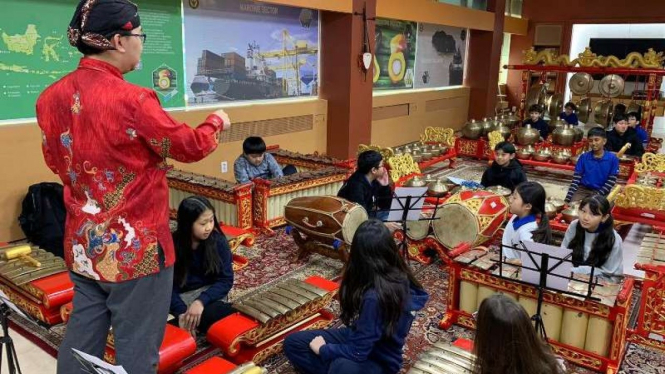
203,273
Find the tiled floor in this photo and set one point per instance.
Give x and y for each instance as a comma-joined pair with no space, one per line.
31,358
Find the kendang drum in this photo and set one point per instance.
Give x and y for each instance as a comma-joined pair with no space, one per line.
418,230
469,216
328,221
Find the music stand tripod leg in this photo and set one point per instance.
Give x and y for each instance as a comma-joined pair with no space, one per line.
538,317
6,342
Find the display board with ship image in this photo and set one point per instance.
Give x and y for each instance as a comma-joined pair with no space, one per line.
246,50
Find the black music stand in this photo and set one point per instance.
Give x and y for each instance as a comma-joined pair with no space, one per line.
545,268
406,204
6,342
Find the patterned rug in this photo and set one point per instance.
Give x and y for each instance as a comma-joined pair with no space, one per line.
271,259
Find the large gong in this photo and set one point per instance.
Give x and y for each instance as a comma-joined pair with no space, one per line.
581,83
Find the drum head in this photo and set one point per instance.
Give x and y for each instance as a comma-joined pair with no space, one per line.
456,224
417,230
353,219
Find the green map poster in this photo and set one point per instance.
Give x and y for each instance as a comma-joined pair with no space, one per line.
35,52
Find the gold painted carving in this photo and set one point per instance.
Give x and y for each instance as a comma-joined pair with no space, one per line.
651,59
385,152
469,147
612,196
651,162
402,165
440,135
495,138
641,197
576,357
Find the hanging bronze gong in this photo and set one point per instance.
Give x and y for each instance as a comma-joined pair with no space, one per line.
611,85
536,95
581,83
584,110
634,106
555,105
603,112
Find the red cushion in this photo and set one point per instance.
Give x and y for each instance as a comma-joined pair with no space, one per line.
465,344
215,365
177,345
232,230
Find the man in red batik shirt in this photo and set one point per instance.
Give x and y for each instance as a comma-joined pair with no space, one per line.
108,140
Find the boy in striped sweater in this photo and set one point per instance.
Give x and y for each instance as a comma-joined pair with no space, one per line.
596,171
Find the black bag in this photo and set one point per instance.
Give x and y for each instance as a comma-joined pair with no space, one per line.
42,217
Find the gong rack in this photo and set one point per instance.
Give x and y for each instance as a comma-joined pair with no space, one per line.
653,82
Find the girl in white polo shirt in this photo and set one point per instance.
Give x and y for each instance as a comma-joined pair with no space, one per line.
527,204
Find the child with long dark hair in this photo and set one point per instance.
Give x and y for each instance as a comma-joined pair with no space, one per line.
506,341
527,204
594,241
203,273
379,297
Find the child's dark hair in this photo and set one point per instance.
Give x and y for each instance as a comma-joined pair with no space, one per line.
636,115
188,213
620,109
597,131
506,341
571,105
368,160
505,147
253,145
376,264
533,193
604,242
536,108
619,117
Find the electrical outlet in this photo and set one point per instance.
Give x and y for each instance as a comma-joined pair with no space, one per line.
225,166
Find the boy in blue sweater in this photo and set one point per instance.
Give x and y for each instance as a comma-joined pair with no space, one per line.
569,114
634,122
596,171
255,162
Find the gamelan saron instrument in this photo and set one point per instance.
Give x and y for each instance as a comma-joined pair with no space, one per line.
649,327
442,358
584,331
232,202
329,223
38,284
264,319
306,162
271,196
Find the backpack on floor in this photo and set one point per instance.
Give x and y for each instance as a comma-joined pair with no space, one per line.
42,217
